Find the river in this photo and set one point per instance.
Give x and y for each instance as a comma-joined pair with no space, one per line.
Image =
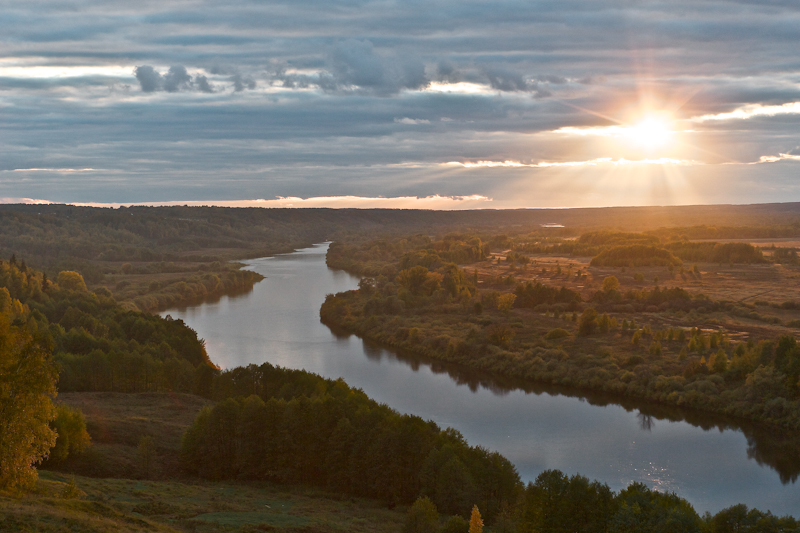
712,462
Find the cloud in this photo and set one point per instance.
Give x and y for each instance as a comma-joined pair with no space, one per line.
355,63
753,110
341,90
447,72
29,201
506,80
601,131
240,83
336,202
62,170
353,66
177,79
779,157
149,80
590,163
412,121
202,84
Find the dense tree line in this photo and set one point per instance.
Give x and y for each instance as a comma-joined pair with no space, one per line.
56,234
196,289
385,256
743,230
587,244
619,249
713,252
291,426
99,345
297,427
635,255
532,295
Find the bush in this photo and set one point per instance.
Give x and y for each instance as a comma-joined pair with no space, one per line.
422,517
557,333
587,322
72,281
72,435
455,524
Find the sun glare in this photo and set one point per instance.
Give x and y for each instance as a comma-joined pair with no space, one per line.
651,132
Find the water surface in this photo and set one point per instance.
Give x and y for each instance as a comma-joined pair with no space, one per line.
712,462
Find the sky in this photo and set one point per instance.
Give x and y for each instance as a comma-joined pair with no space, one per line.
442,104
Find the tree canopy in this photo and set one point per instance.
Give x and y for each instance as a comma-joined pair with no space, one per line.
27,386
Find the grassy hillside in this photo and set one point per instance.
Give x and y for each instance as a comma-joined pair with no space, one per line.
122,505
114,491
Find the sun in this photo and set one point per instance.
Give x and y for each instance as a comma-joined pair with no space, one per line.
652,131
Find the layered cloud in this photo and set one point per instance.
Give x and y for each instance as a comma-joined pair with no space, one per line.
592,163
753,110
335,202
196,101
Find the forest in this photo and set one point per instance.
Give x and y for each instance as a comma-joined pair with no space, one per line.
99,345
151,258
581,307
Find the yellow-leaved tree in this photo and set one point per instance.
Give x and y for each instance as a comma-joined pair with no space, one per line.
475,521
72,281
27,387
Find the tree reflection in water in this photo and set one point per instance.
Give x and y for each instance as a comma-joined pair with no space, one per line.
646,422
768,447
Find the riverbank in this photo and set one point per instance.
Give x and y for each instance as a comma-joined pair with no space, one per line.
558,320
709,460
452,337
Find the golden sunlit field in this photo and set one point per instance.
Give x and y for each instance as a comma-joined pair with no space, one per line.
762,287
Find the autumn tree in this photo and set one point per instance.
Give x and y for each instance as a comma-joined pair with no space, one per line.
610,283
71,281
475,522
505,302
70,427
27,386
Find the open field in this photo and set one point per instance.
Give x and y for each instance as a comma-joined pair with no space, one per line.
111,505
764,288
117,422
111,491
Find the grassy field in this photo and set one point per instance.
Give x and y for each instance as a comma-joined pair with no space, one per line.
117,422
108,488
103,504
